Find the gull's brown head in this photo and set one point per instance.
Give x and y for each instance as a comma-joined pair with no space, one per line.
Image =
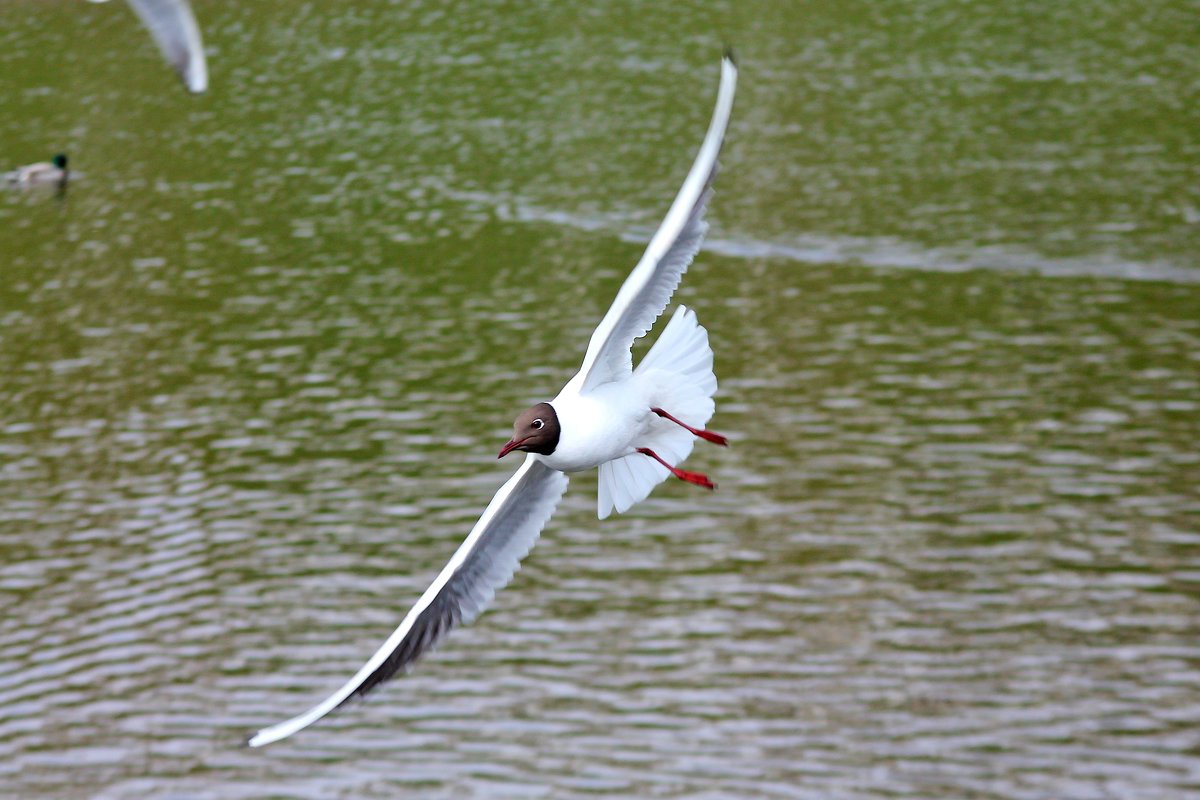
535,431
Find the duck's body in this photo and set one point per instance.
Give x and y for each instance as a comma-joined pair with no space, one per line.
43,173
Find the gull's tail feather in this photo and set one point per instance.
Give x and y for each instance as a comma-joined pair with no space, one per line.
683,349
680,365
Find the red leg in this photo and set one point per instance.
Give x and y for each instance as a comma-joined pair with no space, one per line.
697,478
707,436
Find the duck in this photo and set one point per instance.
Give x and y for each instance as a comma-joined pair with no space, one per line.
43,173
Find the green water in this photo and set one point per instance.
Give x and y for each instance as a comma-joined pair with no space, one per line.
256,363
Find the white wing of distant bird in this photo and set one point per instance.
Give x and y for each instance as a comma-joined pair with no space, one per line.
174,28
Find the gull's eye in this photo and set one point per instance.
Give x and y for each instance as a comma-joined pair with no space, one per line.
537,424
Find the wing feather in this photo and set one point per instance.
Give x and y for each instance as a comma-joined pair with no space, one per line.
177,35
483,564
649,287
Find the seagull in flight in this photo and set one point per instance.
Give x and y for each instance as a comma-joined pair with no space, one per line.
634,425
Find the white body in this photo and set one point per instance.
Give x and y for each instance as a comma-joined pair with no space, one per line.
40,174
601,425
604,426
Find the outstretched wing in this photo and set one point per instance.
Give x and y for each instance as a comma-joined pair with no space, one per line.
483,564
174,29
649,287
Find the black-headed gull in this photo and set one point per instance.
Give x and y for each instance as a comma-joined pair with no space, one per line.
634,424
174,28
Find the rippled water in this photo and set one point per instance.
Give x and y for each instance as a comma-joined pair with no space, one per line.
255,366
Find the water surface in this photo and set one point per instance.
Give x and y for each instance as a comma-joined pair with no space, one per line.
255,366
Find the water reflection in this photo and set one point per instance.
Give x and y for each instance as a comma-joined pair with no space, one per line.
256,367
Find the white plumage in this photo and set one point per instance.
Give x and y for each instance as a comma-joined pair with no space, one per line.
483,563
174,28
609,416
678,375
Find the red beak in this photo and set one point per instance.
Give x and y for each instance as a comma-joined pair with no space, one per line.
512,445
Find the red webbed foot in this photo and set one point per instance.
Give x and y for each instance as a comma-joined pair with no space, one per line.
708,436
697,478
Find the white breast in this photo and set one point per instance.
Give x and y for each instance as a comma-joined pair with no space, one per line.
599,425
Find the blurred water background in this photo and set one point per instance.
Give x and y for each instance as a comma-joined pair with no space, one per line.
256,364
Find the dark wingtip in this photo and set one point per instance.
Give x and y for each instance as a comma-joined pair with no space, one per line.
729,54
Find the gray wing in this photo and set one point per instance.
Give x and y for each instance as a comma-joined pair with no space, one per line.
174,29
649,287
482,565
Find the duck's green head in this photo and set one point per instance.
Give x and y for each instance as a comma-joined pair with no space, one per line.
60,161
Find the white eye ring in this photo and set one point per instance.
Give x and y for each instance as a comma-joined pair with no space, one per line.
537,424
